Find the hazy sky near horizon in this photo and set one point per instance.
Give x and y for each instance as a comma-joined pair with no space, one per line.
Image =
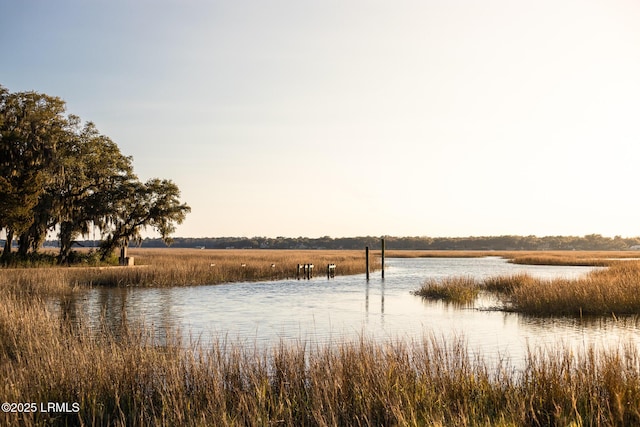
346,118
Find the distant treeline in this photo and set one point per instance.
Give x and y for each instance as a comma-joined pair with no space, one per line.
588,242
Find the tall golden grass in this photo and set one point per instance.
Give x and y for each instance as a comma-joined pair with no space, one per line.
614,290
457,289
611,291
182,267
133,380
594,259
578,258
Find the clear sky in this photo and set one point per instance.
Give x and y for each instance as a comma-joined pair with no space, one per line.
353,117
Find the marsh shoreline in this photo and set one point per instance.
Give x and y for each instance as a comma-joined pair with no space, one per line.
133,379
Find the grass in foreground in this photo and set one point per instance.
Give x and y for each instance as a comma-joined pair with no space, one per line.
133,380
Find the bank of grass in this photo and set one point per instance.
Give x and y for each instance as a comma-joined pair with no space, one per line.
136,379
505,285
184,267
576,258
457,289
133,379
611,291
584,259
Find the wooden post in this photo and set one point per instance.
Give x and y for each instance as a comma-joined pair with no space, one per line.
306,270
382,258
331,271
123,255
366,255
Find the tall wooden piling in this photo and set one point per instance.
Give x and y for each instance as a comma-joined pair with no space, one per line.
366,256
382,244
123,255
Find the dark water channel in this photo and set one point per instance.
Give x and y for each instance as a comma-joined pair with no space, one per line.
325,310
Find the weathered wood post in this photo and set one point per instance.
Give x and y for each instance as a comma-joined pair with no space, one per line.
125,259
382,258
304,270
366,256
123,255
331,271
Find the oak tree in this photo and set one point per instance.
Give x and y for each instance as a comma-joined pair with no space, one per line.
59,174
137,206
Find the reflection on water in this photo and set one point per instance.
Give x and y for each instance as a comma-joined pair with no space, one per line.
325,310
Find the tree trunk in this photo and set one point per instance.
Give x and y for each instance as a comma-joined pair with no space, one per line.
38,236
24,243
6,252
66,242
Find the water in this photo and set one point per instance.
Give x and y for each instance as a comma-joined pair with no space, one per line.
327,311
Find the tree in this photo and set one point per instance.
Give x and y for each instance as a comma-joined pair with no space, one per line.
56,173
31,126
93,167
136,206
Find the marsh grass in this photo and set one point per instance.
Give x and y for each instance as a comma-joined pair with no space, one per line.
506,284
614,290
134,380
570,258
184,267
561,259
577,258
611,291
457,289
440,254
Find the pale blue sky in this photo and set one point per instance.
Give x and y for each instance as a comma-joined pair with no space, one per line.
344,118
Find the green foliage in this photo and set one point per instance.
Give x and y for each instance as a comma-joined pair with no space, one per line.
88,188
137,206
31,129
58,174
15,260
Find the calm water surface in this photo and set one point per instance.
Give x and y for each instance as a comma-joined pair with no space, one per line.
345,308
